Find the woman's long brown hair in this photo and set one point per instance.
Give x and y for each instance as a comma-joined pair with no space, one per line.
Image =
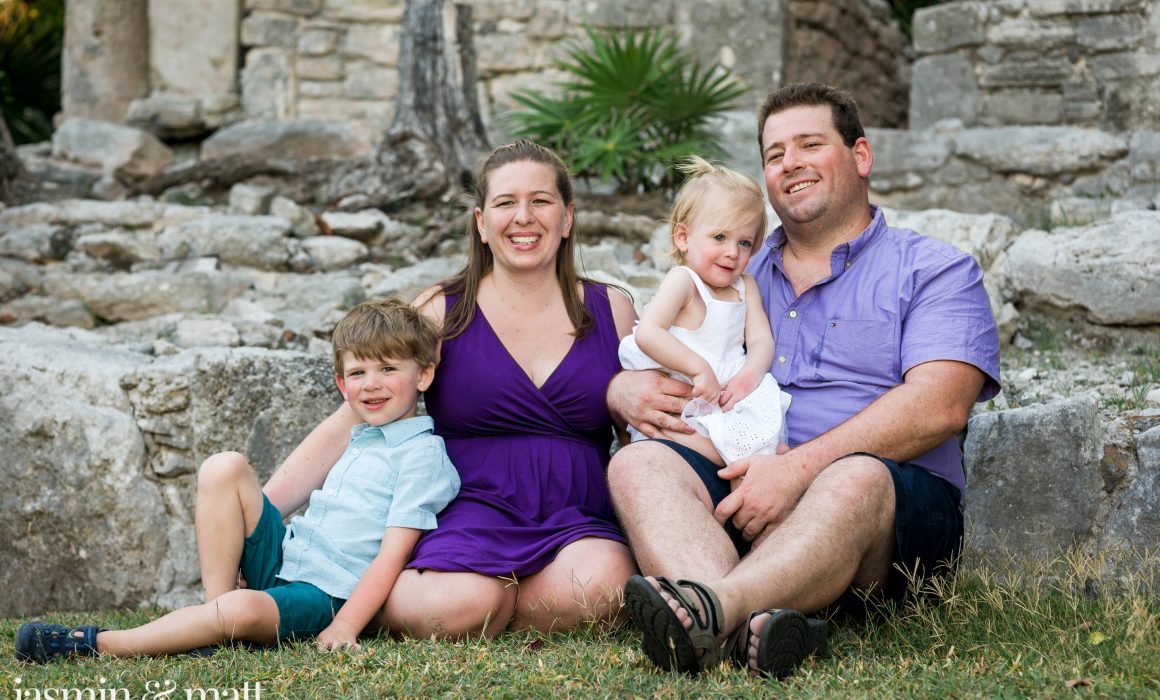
465,284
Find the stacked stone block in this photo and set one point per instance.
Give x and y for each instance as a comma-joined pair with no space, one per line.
1088,63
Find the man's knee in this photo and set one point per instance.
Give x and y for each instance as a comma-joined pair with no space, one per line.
859,482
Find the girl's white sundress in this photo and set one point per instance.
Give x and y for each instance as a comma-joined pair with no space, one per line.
756,423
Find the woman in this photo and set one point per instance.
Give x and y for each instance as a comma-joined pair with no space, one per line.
527,352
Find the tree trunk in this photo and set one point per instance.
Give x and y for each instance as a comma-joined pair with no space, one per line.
437,92
16,186
437,136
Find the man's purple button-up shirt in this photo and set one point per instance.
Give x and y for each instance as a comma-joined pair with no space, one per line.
893,300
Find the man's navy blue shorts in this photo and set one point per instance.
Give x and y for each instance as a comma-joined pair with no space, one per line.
928,521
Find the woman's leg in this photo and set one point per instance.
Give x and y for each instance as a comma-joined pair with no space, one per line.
236,615
448,605
229,506
585,583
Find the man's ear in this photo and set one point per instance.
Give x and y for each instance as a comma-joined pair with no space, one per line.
863,156
341,385
426,376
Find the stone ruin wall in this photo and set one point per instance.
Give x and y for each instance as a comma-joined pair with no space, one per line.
1045,110
184,69
1084,63
856,46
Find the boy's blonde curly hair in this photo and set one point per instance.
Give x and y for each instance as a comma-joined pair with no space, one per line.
743,194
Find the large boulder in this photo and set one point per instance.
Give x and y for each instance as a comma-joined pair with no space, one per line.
1109,270
81,524
294,139
1034,483
122,151
101,448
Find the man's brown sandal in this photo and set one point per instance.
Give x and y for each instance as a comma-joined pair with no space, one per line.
786,640
665,641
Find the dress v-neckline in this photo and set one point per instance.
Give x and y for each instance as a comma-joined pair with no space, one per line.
514,361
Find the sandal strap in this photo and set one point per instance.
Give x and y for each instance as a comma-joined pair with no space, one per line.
706,612
710,605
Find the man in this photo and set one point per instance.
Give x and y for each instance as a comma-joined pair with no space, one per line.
885,339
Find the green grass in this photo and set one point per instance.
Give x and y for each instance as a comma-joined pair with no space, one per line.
994,635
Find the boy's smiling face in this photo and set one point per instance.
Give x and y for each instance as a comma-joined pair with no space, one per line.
384,389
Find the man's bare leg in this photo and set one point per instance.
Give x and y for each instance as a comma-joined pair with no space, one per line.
667,514
840,534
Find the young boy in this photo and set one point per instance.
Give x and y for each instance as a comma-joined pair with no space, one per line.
332,569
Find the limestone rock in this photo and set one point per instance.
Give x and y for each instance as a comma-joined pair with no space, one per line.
362,225
118,150
121,248
1033,478
139,295
301,219
1110,269
298,139
35,242
334,252
1042,150
250,200
1136,519
74,463
260,242
984,236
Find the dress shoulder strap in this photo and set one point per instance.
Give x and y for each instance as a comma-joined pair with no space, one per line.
703,289
698,283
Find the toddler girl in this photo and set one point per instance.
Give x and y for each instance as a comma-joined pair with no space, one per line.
706,324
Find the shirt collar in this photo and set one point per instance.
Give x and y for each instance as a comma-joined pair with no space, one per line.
395,432
844,254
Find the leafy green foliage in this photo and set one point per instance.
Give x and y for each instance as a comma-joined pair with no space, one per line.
31,34
632,106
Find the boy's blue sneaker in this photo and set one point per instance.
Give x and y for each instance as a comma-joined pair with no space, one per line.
43,642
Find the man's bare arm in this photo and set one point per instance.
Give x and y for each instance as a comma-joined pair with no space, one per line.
932,404
649,400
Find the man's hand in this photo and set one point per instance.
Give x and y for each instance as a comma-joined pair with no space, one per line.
650,401
337,636
770,486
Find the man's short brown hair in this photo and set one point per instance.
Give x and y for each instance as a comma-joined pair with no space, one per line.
842,105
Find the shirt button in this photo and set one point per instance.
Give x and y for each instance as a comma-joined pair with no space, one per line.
793,314
781,360
848,263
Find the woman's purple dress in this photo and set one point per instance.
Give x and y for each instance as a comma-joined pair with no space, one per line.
532,460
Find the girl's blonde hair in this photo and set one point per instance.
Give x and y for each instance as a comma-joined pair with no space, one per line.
704,178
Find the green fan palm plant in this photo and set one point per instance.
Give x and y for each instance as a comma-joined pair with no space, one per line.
632,106
31,34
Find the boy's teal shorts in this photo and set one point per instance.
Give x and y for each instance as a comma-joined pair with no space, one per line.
304,609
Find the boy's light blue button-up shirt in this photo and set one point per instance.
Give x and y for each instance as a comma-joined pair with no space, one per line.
395,475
